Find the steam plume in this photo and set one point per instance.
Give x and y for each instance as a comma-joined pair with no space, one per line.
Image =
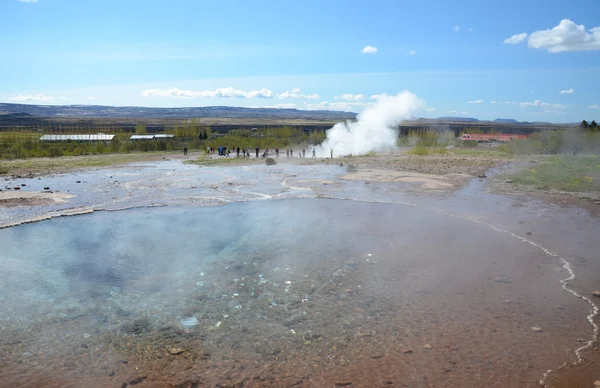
374,128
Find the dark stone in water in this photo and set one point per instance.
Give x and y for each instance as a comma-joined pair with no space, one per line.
138,326
270,162
137,380
294,319
502,279
193,383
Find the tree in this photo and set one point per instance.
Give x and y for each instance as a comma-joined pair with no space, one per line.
140,129
593,124
584,124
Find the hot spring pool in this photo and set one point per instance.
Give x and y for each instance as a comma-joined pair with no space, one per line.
275,291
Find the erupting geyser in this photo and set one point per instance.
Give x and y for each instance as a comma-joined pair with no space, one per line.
374,128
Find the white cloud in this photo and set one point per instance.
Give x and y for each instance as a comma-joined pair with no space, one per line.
220,93
91,98
567,36
493,102
295,93
31,97
542,104
28,1
374,97
508,102
369,50
350,97
452,111
412,52
567,91
593,107
464,113
343,106
475,102
470,29
516,39
429,109
456,28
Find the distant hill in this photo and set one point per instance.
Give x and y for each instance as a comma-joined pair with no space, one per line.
179,113
458,119
506,121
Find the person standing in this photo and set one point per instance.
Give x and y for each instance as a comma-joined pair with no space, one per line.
277,153
331,153
304,153
314,153
238,152
257,149
291,152
287,153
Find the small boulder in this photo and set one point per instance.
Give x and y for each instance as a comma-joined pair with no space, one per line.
537,329
427,346
270,162
596,294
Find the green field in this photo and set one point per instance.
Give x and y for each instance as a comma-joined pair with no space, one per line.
562,172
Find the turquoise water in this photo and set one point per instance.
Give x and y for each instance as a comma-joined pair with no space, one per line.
304,284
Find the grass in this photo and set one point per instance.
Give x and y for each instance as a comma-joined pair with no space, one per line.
425,151
562,172
67,163
470,152
419,150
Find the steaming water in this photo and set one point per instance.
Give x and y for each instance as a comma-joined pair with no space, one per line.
314,282
374,128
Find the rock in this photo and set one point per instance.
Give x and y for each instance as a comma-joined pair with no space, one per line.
528,233
23,184
294,319
343,384
176,351
270,162
502,279
596,294
46,188
377,356
427,346
17,188
537,329
407,351
508,181
596,384
111,374
137,380
77,181
482,176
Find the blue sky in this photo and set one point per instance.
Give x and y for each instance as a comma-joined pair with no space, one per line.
462,57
